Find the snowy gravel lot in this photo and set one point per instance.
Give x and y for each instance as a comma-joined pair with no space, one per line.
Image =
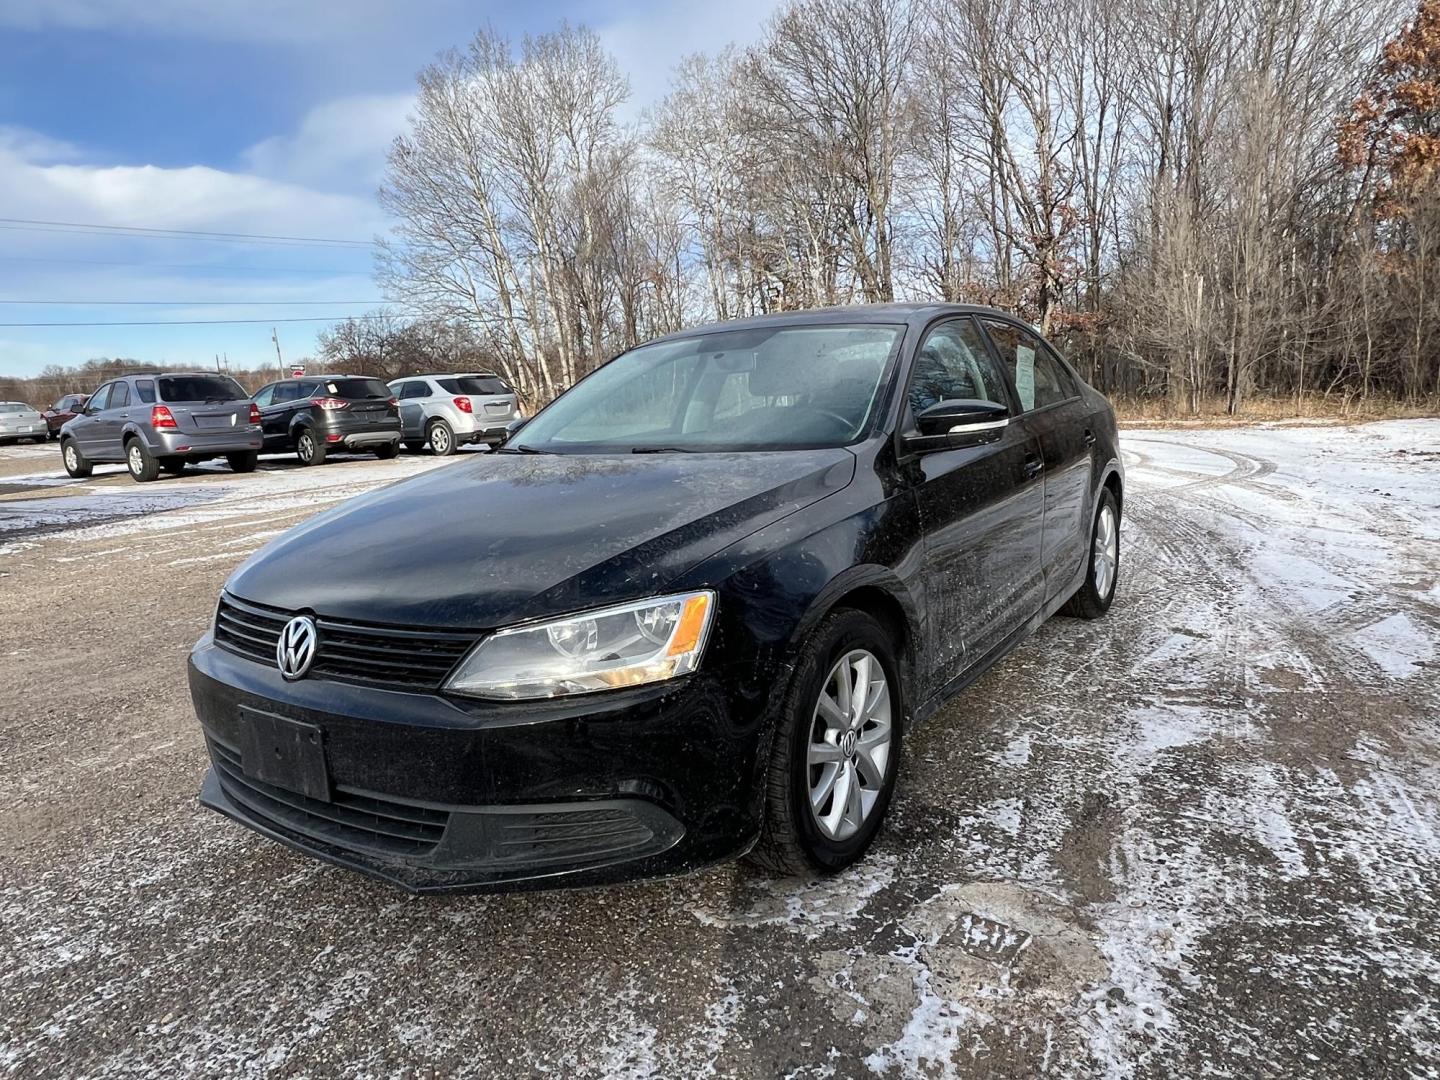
1198,837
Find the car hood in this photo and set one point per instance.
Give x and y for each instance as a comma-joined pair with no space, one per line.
502,538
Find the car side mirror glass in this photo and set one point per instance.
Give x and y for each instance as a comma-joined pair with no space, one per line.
957,422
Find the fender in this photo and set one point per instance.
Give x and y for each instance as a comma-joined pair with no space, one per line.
866,575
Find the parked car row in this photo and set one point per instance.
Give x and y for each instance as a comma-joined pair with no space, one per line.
163,422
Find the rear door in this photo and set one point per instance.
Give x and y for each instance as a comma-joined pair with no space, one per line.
204,404
1055,412
980,507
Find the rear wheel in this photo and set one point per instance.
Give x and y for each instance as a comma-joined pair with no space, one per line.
386,451
1103,571
244,461
75,463
836,750
309,449
141,463
442,439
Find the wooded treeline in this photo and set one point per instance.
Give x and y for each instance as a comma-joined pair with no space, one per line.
1196,198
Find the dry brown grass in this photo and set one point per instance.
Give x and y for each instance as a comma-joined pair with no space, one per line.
1312,409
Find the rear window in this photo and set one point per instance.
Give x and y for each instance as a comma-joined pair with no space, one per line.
357,389
475,384
13,406
200,388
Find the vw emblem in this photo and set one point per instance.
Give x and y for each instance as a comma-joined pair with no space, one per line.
847,743
295,651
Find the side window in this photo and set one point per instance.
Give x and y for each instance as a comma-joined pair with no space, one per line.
1040,380
952,364
119,396
262,396
285,391
146,389
416,390
97,402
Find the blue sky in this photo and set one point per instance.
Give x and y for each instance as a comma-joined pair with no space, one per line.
241,116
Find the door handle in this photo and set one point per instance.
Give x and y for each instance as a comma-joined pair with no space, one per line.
1089,437
1033,466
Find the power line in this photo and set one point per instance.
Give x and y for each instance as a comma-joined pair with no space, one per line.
198,303
211,322
147,232
224,267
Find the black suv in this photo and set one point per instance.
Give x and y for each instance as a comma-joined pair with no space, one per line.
313,416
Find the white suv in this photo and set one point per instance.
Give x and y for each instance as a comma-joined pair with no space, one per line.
448,411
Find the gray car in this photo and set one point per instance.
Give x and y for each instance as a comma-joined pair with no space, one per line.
448,411
20,421
155,422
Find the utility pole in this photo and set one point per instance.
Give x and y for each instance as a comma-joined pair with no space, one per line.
279,360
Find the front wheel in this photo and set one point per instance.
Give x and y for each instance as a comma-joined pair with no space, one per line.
1103,570
75,462
386,451
836,749
243,461
309,449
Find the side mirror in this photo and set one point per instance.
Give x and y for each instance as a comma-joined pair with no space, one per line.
958,422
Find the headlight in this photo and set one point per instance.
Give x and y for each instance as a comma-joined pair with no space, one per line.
627,645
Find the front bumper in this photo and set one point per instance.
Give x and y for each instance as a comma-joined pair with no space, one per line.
193,444
435,794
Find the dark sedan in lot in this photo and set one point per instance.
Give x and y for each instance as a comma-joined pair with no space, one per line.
335,412
687,612
62,412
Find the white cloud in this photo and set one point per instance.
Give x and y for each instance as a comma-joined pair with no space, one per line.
33,146
649,44
339,144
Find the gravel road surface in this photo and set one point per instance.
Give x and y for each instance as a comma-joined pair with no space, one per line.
1200,836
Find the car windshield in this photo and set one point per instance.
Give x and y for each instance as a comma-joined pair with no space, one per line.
356,389
180,388
774,388
474,384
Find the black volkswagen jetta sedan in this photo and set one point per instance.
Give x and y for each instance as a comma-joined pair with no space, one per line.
686,612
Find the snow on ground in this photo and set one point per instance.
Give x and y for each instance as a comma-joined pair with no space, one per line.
1200,836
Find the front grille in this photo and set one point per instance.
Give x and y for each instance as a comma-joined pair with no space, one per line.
347,651
351,820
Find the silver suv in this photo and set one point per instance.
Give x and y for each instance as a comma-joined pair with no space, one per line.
448,411
154,422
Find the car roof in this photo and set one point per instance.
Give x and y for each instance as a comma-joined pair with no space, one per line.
447,375
893,314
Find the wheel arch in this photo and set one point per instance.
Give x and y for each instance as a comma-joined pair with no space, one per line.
878,592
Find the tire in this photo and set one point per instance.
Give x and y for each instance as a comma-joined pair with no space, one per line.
441,438
52,436
1093,598
172,465
141,463
75,463
309,449
387,451
413,446
244,461
40,440
794,839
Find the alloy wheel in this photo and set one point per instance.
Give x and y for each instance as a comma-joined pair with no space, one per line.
1106,553
439,439
849,746
135,459
70,460
306,447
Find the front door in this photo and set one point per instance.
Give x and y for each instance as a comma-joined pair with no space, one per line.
87,427
980,508
1056,414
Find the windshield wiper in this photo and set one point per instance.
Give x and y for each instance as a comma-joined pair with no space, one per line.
520,449
660,450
